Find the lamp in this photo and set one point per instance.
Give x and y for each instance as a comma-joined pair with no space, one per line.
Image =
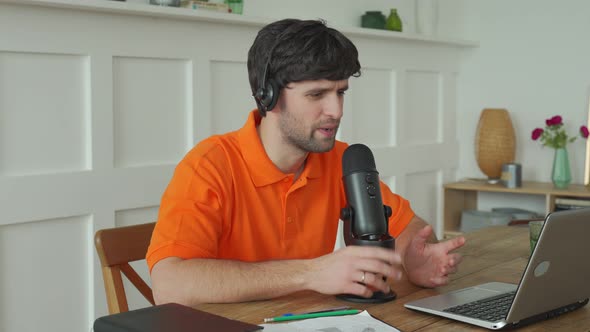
494,142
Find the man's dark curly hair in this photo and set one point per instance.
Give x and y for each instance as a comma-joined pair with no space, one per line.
300,50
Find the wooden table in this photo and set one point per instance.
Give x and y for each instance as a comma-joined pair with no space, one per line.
491,254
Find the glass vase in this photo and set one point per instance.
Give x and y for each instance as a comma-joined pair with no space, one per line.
426,16
373,20
561,175
393,23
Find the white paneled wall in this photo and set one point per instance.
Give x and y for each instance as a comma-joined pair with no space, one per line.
533,74
374,108
46,275
27,84
99,101
151,107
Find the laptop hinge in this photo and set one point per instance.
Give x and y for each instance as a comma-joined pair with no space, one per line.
549,314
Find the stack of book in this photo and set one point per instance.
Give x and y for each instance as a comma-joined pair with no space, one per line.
568,203
207,6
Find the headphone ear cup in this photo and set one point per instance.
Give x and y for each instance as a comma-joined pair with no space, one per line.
272,95
267,97
259,97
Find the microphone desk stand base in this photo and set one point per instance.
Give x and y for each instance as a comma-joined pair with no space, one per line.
378,297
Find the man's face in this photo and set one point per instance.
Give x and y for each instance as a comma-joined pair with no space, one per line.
310,113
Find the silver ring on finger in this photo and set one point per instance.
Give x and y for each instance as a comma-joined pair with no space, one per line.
363,278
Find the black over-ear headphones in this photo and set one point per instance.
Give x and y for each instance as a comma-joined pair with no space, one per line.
267,94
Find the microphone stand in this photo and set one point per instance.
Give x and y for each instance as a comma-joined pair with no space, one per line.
374,240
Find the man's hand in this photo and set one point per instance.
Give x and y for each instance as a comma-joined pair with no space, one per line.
354,270
429,264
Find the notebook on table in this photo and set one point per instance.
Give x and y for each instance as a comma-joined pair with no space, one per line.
170,317
556,280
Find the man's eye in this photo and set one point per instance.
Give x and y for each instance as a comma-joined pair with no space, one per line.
341,93
315,94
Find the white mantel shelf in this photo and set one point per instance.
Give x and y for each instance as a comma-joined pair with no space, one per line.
124,8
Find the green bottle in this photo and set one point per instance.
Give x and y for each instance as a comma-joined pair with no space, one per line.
393,22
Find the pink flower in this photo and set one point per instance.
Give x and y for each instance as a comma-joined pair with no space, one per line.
554,121
537,133
554,134
584,131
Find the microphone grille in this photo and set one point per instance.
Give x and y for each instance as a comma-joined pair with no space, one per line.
356,158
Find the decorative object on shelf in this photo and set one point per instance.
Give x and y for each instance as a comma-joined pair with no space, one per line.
205,5
426,16
170,3
555,136
560,174
373,20
235,6
494,142
512,175
534,232
393,23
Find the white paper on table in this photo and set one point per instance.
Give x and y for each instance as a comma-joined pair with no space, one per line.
362,322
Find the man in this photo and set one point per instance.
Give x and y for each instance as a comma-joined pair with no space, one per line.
253,214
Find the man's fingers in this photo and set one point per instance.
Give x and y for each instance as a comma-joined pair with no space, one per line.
422,236
452,244
439,281
376,282
455,259
383,254
452,270
448,270
379,267
360,290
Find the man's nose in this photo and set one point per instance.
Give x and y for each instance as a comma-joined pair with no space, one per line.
334,107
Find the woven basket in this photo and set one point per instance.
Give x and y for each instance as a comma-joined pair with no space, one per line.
494,141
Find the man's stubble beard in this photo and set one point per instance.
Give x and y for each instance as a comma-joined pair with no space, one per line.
297,135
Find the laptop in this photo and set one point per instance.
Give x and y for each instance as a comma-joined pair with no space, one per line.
555,281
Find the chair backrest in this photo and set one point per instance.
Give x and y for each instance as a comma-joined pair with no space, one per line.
117,247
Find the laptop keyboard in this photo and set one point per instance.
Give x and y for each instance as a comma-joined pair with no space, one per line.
490,309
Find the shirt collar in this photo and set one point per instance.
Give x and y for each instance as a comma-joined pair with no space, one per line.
262,170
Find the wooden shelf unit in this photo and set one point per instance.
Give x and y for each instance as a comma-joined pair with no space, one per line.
462,195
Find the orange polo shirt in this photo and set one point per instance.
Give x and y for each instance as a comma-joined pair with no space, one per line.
227,200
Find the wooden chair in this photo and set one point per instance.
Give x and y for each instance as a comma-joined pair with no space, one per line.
117,247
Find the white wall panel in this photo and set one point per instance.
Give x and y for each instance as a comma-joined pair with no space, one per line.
44,108
231,96
129,217
390,181
373,107
423,102
449,107
422,190
45,275
151,104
